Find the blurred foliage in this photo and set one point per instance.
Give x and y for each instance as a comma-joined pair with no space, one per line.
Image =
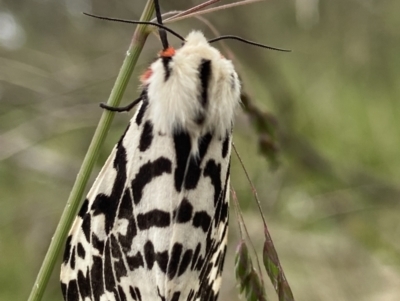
332,204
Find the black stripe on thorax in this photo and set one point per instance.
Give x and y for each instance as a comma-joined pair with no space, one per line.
167,68
204,76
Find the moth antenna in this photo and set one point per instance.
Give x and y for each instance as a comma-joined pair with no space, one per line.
137,22
161,31
121,109
231,37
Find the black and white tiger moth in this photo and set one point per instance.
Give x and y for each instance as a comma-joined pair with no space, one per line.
154,225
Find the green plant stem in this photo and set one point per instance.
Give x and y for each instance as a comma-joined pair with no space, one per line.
68,215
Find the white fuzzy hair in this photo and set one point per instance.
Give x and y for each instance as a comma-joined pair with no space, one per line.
174,103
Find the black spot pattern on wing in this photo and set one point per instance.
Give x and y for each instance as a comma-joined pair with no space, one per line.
213,170
110,283
221,261
121,294
84,208
199,264
149,254
151,257
143,107
97,243
204,143
159,294
202,220
225,229
96,279
222,206
123,135
126,213
174,260
84,285
64,290
191,295
105,205
72,290
184,212
204,273
195,258
225,146
175,296
146,137
86,226
118,263
186,259
138,294
217,260
108,205
182,150
194,170
147,173
125,209
135,261
153,218
81,251
72,261
67,251
133,293
162,260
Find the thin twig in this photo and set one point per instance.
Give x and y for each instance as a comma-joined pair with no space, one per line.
248,235
239,215
193,9
251,184
210,10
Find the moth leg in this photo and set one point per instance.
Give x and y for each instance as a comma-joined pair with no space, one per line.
121,109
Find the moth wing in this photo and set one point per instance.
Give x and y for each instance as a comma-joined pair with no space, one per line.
211,276
95,260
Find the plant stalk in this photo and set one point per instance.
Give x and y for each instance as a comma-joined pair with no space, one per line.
68,215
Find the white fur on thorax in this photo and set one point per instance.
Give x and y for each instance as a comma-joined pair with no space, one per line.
174,103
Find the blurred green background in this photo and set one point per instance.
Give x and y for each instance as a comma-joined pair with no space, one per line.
332,206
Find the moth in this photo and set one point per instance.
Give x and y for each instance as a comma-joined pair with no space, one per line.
154,224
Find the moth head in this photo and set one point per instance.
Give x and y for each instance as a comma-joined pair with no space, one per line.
193,88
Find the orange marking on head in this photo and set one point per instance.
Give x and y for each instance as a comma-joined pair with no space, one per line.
170,51
146,75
